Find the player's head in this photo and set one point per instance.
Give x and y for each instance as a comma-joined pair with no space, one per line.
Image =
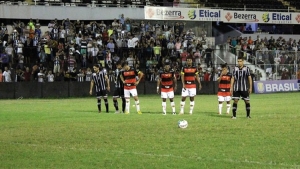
125,66
189,61
167,66
96,67
119,65
224,67
100,66
240,61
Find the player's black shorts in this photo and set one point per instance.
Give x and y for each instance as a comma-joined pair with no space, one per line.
101,93
241,94
119,92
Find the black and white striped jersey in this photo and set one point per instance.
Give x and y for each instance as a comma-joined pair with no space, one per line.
99,80
118,82
240,76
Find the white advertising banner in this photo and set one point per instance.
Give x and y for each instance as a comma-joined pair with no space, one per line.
209,14
186,14
260,17
228,16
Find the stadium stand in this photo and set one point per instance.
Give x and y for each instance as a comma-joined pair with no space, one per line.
20,50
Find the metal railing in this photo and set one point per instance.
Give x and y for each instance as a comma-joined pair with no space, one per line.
278,64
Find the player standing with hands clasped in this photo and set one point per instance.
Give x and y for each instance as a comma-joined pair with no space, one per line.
241,86
167,81
189,75
101,83
130,82
224,88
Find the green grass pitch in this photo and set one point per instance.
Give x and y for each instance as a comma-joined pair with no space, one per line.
69,133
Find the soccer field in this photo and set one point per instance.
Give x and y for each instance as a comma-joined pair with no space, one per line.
70,133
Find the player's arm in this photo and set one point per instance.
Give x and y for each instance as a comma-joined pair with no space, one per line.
175,82
250,84
219,78
122,79
140,75
231,84
198,80
107,82
158,84
182,79
91,87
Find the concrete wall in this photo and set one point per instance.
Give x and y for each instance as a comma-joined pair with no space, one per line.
73,13
16,90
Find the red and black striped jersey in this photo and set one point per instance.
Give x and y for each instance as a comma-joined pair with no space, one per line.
224,85
166,80
190,74
130,78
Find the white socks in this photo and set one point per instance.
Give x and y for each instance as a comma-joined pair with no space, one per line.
173,106
137,105
220,108
127,106
164,107
182,107
228,108
192,104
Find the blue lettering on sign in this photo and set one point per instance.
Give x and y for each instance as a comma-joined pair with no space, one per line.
207,13
277,86
285,87
279,16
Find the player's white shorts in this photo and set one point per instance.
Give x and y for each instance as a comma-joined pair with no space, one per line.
188,92
127,92
224,98
165,95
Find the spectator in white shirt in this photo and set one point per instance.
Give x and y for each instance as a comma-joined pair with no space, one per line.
135,40
9,51
131,43
7,75
62,34
95,51
115,24
50,76
51,25
41,76
131,60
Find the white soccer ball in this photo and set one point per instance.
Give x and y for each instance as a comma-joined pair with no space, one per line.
182,124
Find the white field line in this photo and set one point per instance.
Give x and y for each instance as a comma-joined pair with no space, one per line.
271,163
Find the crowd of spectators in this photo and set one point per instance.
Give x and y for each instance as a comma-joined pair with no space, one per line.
278,57
68,49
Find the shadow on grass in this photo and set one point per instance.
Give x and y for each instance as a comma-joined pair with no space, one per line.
214,114
87,111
